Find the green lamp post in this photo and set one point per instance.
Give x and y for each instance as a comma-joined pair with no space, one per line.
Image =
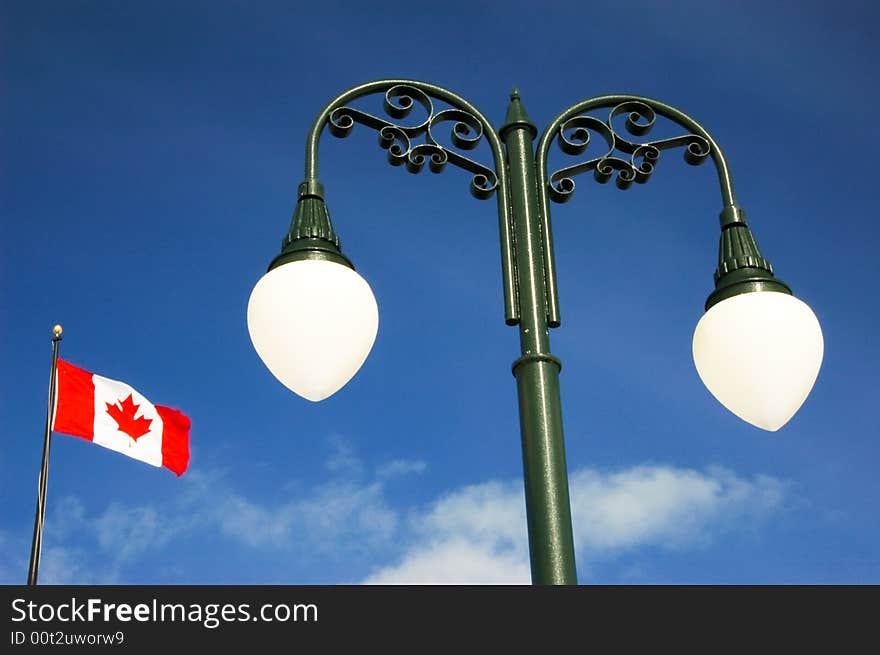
313,319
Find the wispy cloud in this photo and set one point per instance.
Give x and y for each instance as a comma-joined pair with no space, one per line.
472,535
400,467
130,531
344,459
340,518
74,566
83,549
13,563
477,535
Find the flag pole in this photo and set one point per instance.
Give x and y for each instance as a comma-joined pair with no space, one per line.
37,544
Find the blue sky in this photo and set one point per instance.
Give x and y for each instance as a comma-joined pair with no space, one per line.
149,158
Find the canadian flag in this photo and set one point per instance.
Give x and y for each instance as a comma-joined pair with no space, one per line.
112,414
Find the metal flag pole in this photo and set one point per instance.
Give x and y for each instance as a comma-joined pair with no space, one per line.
37,544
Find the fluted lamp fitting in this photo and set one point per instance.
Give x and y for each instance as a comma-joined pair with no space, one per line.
758,349
312,318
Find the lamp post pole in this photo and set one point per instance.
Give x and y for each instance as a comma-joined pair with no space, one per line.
551,545
311,278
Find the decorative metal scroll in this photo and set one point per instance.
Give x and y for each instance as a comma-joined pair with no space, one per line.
399,139
574,139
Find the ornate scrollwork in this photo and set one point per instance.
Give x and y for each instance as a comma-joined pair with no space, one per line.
398,139
573,138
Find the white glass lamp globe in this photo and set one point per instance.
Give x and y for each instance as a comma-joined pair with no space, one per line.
759,354
313,323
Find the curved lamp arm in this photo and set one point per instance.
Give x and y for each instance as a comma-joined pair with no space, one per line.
397,136
571,129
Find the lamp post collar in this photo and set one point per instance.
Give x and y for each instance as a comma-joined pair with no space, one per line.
311,234
741,266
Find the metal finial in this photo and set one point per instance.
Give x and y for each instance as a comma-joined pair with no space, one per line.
514,94
57,330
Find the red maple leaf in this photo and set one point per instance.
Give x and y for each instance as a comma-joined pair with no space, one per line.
123,413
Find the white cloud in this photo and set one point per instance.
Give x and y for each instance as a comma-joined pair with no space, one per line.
473,535
478,535
663,506
455,561
490,515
